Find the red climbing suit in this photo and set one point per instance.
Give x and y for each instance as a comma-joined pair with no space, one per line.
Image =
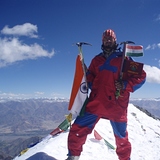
101,76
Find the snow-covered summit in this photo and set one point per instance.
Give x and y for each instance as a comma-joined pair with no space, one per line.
144,135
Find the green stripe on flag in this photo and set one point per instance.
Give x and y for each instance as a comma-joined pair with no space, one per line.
129,54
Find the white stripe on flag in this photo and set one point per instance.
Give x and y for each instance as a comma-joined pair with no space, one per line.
79,99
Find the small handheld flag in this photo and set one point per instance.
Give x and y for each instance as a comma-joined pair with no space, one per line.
132,67
134,51
130,50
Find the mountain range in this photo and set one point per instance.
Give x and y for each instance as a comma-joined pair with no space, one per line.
151,105
26,121
23,119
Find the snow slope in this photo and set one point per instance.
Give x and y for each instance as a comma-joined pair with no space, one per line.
144,135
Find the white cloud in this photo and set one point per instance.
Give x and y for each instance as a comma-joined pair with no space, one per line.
39,93
13,50
148,47
26,29
153,74
158,18
153,46
10,95
14,96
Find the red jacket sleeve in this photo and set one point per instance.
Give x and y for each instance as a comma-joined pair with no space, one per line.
134,83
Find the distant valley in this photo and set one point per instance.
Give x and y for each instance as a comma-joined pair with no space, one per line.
29,120
26,121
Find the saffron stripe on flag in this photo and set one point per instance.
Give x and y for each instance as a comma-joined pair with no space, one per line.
134,51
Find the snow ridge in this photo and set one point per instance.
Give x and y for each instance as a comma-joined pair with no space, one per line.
144,135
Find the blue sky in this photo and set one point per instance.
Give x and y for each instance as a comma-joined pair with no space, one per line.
37,37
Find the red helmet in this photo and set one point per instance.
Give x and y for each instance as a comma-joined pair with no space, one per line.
109,33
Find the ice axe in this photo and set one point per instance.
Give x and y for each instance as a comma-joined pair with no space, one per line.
79,44
117,94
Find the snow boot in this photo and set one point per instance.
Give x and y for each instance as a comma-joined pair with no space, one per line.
73,158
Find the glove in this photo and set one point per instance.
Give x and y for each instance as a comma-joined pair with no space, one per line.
119,85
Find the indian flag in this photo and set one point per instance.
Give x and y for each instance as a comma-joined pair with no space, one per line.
79,91
134,51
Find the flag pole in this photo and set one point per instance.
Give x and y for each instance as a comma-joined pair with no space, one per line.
68,118
79,44
84,68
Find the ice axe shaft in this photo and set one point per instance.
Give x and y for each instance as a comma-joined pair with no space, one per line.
117,94
79,44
